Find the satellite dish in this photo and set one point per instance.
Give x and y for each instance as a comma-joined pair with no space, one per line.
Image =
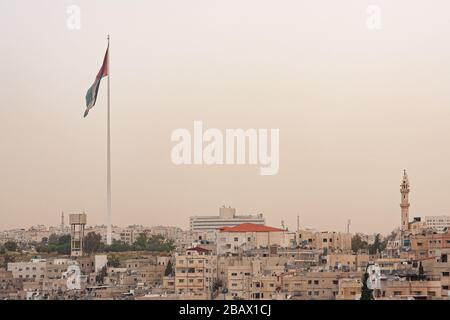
225,291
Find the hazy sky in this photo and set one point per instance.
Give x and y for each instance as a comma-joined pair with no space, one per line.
354,108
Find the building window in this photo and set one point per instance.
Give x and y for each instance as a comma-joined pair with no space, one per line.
236,239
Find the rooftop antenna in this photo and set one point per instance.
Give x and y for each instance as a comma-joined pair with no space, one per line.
298,222
348,225
282,224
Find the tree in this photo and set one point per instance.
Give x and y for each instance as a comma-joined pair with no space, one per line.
217,284
169,269
10,246
52,239
421,271
7,258
141,242
63,248
117,246
92,242
358,243
64,239
114,261
366,293
100,278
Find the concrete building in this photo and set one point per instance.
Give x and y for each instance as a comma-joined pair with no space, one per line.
349,289
438,223
417,226
35,270
330,240
9,286
404,289
227,218
146,271
167,232
425,245
195,273
247,236
438,266
306,286
347,261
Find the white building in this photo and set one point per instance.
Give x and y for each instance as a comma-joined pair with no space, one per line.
437,222
235,240
227,218
33,270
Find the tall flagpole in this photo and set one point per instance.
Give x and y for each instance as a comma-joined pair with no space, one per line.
108,162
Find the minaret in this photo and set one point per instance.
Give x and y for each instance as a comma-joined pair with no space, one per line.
404,205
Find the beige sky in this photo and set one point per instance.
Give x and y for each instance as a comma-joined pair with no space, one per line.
354,108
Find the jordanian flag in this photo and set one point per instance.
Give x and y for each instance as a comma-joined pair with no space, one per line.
91,95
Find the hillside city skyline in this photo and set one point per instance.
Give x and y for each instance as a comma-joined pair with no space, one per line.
185,226
351,112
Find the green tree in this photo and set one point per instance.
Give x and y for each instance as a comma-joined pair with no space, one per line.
64,239
63,248
358,243
421,271
100,278
113,261
92,242
217,284
7,258
118,246
169,269
53,239
141,242
392,236
366,293
11,246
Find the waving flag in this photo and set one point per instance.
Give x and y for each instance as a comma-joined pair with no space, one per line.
91,96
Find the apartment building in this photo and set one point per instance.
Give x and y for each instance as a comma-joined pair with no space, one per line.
9,286
195,273
349,289
34,270
166,232
348,261
54,268
405,289
424,245
330,240
247,236
438,223
438,266
227,218
307,286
